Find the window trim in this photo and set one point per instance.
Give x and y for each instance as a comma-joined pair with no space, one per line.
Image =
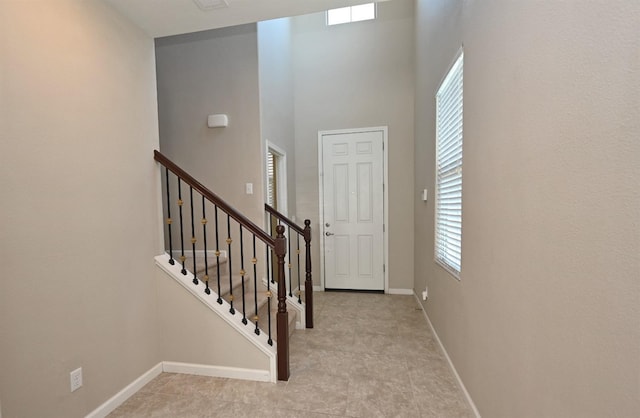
375,14
281,160
457,65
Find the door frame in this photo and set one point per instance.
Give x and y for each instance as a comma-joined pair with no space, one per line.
385,198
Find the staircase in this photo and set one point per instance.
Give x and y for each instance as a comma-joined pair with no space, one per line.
243,273
265,309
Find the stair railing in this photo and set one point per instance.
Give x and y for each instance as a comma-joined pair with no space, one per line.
223,213
305,234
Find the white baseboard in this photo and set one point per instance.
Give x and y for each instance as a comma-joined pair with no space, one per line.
318,288
120,397
453,368
175,367
400,291
216,371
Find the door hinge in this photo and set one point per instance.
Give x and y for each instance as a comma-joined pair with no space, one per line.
384,228
384,268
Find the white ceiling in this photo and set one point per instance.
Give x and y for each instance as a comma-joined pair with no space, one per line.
171,17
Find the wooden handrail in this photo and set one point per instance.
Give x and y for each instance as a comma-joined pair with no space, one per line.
215,199
284,219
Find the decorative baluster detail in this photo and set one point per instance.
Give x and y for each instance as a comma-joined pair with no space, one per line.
204,240
217,253
180,203
289,254
298,255
308,284
282,317
193,237
254,261
242,274
229,241
169,221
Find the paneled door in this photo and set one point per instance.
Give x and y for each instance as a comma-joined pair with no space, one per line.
353,209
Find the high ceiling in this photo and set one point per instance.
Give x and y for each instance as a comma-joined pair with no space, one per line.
171,17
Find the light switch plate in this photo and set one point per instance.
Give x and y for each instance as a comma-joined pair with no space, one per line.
76,379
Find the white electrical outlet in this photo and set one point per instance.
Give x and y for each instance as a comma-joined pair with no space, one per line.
425,293
76,379
248,188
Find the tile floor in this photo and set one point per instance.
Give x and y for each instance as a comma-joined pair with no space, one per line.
369,355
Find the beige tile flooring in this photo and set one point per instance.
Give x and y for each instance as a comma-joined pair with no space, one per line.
369,355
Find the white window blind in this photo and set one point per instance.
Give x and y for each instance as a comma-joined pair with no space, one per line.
271,179
448,239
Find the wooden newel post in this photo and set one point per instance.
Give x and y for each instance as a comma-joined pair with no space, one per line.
308,284
282,318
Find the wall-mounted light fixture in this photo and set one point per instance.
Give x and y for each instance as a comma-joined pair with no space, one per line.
206,5
217,121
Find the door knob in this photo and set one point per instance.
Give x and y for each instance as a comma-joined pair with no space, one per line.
328,234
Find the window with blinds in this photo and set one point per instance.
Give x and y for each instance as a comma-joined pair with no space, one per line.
271,180
448,228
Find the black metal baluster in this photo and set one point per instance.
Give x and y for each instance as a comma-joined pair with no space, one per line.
254,260
270,252
242,273
217,254
289,254
169,221
229,241
206,261
193,237
268,268
269,294
180,203
298,255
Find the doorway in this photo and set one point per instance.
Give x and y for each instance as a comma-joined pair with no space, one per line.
353,208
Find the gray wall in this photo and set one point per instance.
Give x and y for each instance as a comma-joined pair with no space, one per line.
545,321
191,333
79,224
276,95
208,73
352,76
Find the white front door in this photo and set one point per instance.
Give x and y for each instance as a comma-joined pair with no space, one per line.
353,209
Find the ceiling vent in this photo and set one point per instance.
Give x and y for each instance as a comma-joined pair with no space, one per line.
206,5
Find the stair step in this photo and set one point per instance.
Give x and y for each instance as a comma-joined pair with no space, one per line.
262,314
225,286
249,294
249,301
211,264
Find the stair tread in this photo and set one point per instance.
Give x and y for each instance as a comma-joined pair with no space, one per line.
249,295
225,286
262,314
201,267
